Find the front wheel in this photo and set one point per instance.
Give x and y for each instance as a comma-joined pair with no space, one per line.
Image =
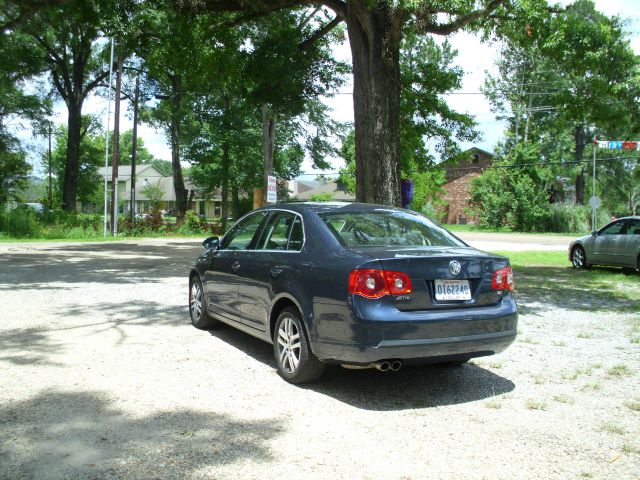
198,306
579,258
294,359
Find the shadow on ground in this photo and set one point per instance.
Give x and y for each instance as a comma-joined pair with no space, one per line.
80,435
608,290
410,388
109,263
27,346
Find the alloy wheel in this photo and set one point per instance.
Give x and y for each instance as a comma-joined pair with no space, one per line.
196,300
289,345
578,258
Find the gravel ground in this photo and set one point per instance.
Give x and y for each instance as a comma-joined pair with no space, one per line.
102,376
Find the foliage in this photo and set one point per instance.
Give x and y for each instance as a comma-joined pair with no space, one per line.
427,192
512,195
13,168
154,194
321,197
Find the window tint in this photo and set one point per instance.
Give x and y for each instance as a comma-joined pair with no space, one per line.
614,229
633,227
239,238
386,228
283,231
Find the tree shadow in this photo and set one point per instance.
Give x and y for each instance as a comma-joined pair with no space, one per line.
80,435
412,387
108,263
542,289
27,346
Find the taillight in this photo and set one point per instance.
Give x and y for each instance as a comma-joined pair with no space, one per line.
503,279
373,283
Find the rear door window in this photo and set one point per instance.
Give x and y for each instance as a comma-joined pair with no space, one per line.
283,231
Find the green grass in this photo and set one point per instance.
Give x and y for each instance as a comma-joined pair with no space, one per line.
564,399
549,278
633,405
619,371
613,428
536,405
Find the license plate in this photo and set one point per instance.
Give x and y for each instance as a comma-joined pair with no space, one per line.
452,290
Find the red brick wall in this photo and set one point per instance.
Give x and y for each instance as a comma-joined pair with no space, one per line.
457,195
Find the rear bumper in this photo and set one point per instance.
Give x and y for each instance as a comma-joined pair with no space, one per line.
423,337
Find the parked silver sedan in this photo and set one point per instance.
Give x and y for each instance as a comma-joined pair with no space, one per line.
616,244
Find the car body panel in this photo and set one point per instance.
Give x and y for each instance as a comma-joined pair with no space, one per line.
346,328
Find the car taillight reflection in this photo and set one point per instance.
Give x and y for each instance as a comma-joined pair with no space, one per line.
503,279
374,283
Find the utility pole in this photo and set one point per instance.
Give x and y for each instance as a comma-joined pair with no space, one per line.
116,153
134,152
50,191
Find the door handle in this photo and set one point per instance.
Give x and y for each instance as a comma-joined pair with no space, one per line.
235,266
275,271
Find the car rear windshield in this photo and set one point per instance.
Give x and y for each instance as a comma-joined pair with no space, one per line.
387,228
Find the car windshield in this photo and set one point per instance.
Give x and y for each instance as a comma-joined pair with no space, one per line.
387,228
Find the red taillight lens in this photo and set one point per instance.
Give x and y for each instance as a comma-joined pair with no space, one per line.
373,283
503,279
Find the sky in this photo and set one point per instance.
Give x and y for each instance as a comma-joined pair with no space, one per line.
474,57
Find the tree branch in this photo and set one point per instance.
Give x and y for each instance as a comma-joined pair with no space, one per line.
318,34
461,21
96,82
266,6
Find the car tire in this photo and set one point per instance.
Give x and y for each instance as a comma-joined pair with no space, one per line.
295,361
198,306
579,258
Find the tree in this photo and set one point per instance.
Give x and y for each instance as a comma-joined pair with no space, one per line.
13,168
375,33
569,73
66,36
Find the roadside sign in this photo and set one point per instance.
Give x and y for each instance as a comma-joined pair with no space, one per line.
272,192
595,202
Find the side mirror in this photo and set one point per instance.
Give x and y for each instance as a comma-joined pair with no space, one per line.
211,242
594,233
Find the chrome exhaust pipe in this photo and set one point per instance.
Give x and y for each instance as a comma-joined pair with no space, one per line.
395,365
383,366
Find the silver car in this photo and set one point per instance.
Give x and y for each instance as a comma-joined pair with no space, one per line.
616,244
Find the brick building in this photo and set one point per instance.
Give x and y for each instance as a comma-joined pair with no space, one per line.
460,170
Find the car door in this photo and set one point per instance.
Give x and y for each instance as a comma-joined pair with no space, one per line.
606,245
630,244
261,268
221,284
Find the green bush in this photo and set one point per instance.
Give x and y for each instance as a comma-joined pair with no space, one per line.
20,223
574,218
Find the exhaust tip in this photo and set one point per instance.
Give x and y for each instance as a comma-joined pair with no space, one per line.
383,366
395,365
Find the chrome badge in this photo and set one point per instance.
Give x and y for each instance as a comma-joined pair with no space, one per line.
454,267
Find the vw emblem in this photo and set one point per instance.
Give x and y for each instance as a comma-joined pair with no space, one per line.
454,267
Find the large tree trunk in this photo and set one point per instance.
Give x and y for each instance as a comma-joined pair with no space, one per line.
374,35
72,166
580,137
178,180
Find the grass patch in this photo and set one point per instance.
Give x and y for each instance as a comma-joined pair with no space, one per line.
536,405
612,428
560,343
585,335
564,399
495,404
594,387
548,277
629,449
529,340
577,373
539,379
619,371
633,405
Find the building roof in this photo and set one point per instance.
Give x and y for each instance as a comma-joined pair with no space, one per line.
336,189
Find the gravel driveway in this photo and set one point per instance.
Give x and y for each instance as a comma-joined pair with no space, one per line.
102,376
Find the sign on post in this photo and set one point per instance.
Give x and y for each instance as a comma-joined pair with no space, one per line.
272,191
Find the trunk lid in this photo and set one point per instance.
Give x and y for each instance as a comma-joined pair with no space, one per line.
437,282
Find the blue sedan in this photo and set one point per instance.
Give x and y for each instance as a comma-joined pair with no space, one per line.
359,285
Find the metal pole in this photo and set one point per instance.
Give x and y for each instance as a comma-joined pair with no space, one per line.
50,191
134,148
593,193
106,153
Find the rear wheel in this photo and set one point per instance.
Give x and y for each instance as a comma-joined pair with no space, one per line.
294,359
579,258
198,306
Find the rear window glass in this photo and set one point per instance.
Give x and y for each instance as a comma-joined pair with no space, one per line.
387,228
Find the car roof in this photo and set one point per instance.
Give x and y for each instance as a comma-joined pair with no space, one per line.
324,207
